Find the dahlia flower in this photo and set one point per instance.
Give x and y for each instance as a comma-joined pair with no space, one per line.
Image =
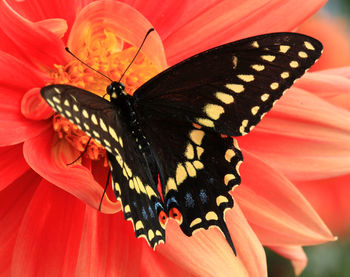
49,218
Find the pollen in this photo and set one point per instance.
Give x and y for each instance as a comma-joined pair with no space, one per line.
110,60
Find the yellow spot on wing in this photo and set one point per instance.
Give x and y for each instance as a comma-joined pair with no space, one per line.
103,125
302,54
139,225
228,178
150,192
285,75
224,97
150,235
274,85
190,169
66,103
246,77
284,48
309,46
258,67
181,174
200,151
195,222
221,199
94,119
255,110
269,58
196,136
229,154
213,111
264,97
238,88
211,216
205,122
85,114
255,44
198,165
294,64
127,209
189,152
170,185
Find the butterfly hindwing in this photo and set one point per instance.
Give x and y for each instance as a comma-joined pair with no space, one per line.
229,88
198,169
134,182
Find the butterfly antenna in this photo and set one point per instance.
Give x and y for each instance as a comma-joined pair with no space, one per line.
149,31
84,63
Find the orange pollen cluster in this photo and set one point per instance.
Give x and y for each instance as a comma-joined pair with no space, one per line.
110,62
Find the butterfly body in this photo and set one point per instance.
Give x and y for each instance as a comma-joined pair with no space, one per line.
179,126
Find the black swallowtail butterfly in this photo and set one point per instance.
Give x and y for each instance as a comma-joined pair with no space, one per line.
179,126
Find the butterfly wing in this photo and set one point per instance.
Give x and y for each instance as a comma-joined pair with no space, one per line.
198,169
229,88
133,183
225,90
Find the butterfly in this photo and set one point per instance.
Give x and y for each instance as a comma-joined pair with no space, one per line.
179,128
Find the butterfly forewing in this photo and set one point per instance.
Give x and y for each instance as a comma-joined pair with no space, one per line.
229,88
134,183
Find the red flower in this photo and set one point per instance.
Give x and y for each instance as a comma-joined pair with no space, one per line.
47,231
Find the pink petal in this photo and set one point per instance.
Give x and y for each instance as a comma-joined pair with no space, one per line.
108,246
330,85
31,42
275,209
304,137
231,20
330,198
48,156
207,253
294,253
126,22
14,202
12,164
155,264
332,32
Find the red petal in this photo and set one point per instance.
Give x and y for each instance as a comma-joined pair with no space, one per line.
304,137
207,253
31,42
294,253
57,26
33,106
49,236
14,202
12,164
231,20
275,209
125,22
48,157
108,246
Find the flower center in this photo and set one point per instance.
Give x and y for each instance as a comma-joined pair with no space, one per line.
110,56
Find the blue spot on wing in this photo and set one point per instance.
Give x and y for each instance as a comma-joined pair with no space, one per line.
203,196
189,200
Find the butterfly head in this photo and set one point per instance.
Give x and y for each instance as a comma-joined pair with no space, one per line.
115,90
